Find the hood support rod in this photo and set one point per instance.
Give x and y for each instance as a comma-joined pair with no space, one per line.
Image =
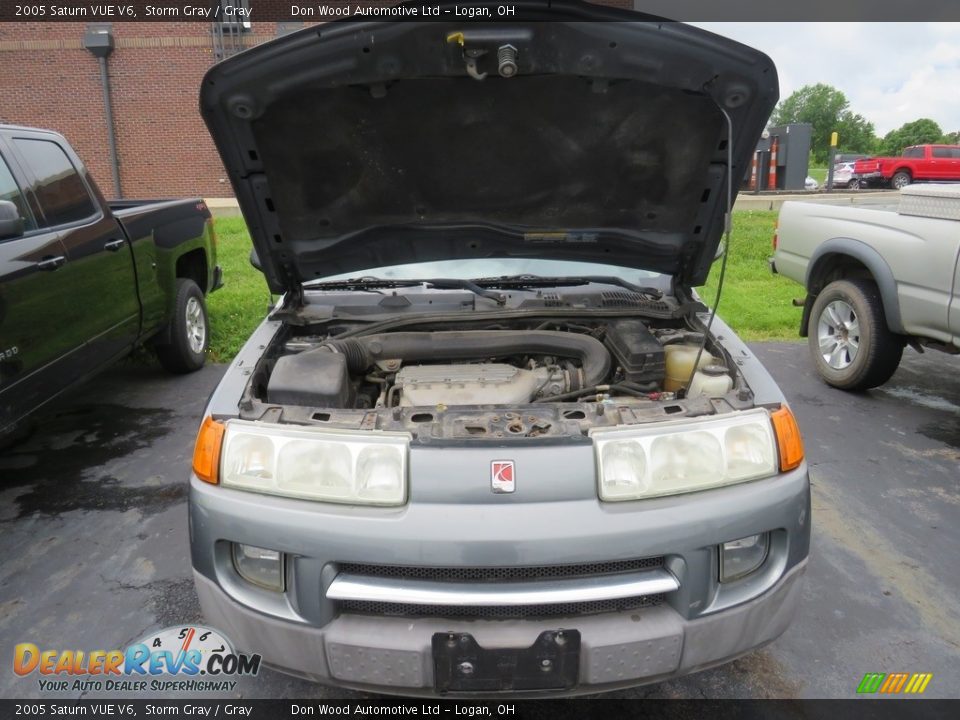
727,227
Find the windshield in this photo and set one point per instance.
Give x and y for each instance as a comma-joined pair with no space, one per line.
497,267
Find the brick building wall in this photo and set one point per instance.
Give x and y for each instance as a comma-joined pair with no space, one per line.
48,79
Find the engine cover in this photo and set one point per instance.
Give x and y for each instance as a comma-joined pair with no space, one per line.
473,384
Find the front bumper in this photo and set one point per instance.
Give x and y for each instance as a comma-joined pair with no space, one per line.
394,655
698,623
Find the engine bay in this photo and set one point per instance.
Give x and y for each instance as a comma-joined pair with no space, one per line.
525,378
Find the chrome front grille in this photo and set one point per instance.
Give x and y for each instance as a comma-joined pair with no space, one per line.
501,592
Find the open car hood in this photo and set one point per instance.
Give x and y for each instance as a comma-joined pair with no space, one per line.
354,145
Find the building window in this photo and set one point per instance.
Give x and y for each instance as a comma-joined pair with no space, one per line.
228,31
235,15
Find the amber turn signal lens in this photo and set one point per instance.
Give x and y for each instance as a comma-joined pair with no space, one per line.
789,442
206,453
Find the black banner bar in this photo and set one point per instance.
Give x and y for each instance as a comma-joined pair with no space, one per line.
499,709
296,11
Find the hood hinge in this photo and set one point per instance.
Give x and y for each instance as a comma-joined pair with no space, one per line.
293,298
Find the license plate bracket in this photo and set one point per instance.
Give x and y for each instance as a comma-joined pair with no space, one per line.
460,664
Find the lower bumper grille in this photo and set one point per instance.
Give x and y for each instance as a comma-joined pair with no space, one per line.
501,574
511,612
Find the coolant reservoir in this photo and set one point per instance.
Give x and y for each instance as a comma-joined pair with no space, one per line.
679,360
711,381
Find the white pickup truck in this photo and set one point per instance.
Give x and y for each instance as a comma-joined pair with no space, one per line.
877,279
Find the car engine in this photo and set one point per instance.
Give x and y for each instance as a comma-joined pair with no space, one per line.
517,378
478,384
475,367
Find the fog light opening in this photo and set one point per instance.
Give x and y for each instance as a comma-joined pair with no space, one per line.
739,558
259,566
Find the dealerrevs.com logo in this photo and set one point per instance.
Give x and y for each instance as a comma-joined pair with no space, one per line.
186,659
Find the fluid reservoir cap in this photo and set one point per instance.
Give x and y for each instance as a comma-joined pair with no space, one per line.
714,370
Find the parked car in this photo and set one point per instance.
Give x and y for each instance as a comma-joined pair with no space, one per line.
811,184
468,451
844,176
845,157
84,281
919,163
876,279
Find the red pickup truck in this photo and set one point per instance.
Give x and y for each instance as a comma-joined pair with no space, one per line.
918,163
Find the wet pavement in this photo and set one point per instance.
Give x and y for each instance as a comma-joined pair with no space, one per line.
93,531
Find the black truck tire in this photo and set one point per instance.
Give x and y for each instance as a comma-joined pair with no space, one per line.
850,343
900,179
18,433
189,331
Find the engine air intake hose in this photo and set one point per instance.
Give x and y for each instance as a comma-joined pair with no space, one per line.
362,352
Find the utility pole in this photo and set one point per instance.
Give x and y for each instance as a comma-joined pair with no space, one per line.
833,154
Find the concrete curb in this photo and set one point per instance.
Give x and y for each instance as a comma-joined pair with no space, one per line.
223,207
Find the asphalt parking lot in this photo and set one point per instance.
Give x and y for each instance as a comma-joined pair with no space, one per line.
95,546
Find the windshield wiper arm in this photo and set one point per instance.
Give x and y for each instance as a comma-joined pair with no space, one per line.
479,286
523,281
371,283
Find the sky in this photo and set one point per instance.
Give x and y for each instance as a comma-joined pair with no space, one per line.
891,73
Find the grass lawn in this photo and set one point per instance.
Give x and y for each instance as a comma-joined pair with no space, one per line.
818,174
755,303
241,304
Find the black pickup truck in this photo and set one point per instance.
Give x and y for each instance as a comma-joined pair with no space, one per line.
83,281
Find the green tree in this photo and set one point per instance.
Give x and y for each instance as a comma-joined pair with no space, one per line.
951,138
857,134
827,110
917,132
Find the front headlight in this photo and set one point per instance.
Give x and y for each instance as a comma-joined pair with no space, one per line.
364,468
684,456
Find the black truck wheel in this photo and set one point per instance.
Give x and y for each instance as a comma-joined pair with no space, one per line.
189,335
900,179
851,345
15,434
